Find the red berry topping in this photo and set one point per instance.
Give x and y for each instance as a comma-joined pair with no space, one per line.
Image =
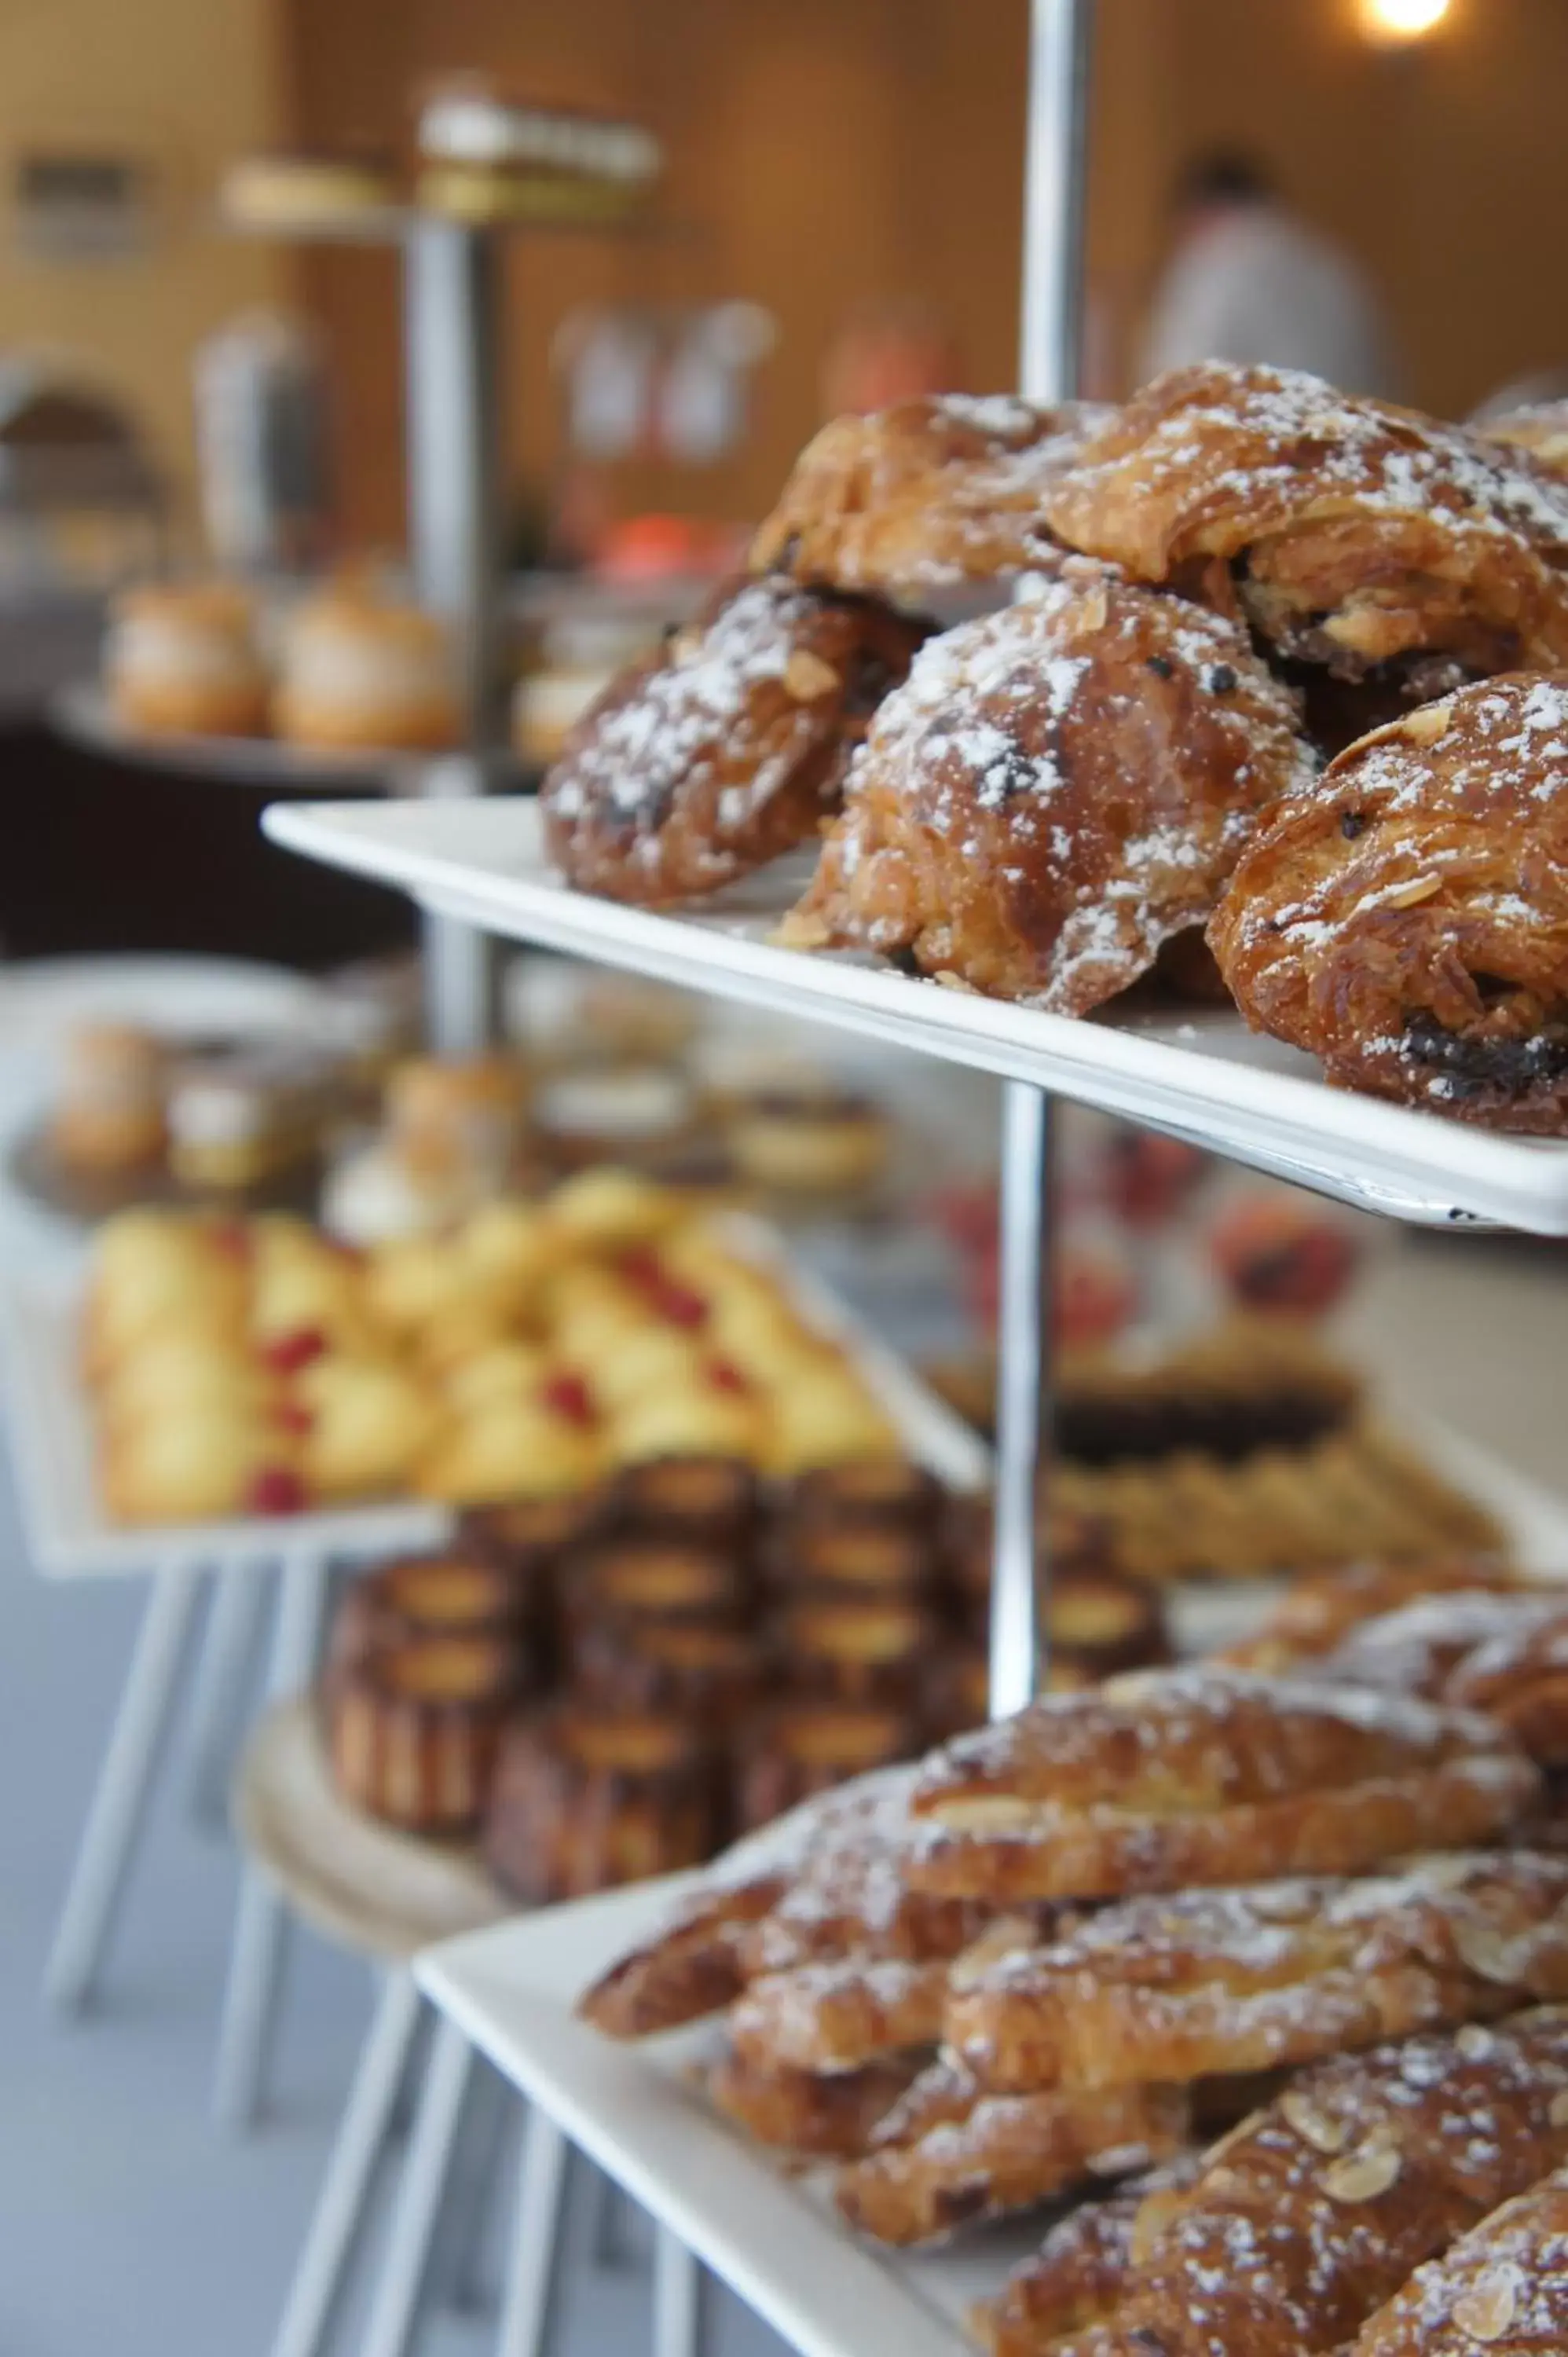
277,1490
725,1376
287,1353
232,1238
290,1415
568,1396
677,1304
640,1265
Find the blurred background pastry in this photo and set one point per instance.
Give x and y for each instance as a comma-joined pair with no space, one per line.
364,671
108,1114
237,1118
187,661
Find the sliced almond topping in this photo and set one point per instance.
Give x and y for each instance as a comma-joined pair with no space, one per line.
1488,2309
1474,2043
686,645
1427,722
1002,1938
1095,609
1558,2115
1486,1952
1315,2127
807,676
1411,895
1361,2176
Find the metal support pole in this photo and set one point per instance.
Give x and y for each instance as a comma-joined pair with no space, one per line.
451,322
1050,322
1018,1646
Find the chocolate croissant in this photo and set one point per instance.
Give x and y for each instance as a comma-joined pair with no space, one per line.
1056,790
1406,919
935,492
725,749
1360,541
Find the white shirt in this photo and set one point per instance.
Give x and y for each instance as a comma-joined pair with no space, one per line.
1254,284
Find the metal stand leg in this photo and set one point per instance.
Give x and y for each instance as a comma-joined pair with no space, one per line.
532,2284
1018,1570
677,2297
255,1967
239,1600
457,2264
419,2197
125,1785
610,2240
361,2138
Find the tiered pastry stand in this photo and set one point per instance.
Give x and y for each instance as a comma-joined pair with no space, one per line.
1204,1080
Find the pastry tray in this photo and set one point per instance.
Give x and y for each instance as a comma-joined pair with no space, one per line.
1199,1075
49,1417
771,2234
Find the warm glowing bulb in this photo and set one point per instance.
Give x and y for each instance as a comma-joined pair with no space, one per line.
1402,20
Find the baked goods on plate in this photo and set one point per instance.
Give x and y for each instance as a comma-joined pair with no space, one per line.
1502,2287
585,1798
108,1114
1365,543
1168,1778
414,1728
933,493
1403,919
1057,789
725,749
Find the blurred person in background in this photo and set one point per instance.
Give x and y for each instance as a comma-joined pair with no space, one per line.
1248,281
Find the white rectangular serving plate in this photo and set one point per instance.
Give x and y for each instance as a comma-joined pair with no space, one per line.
49,1417
1203,1077
772,2236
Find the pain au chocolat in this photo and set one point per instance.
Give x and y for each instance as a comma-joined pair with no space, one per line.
1056,790
727,748
1368,544
1406,918
1203,1775
933,492
1212,1983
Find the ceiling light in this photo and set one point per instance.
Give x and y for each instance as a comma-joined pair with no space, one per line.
1401,20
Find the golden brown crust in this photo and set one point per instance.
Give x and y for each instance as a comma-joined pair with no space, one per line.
727,748
1503,2288
1056,789
882,1489
424,1596
706,1500
1319,1609
1404,918
833,2117
1351,534
585,1800
1425,1647
950,2154
936,491
1540,430
414,1729
703,1673
1310,2216
1520,1677
690,1968
1083,2268
1210,1982
1205,1776
860,1557
803,1748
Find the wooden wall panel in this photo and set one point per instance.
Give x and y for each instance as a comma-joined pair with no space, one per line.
825,151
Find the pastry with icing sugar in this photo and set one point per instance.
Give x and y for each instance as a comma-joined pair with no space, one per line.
830,2115
1406,919
952,2154
1502,2289
1056,790
1166,1779
727,748
1318,1611
933,492
1357,540
1540,430
1218,1983
1316,2211
1083,2268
